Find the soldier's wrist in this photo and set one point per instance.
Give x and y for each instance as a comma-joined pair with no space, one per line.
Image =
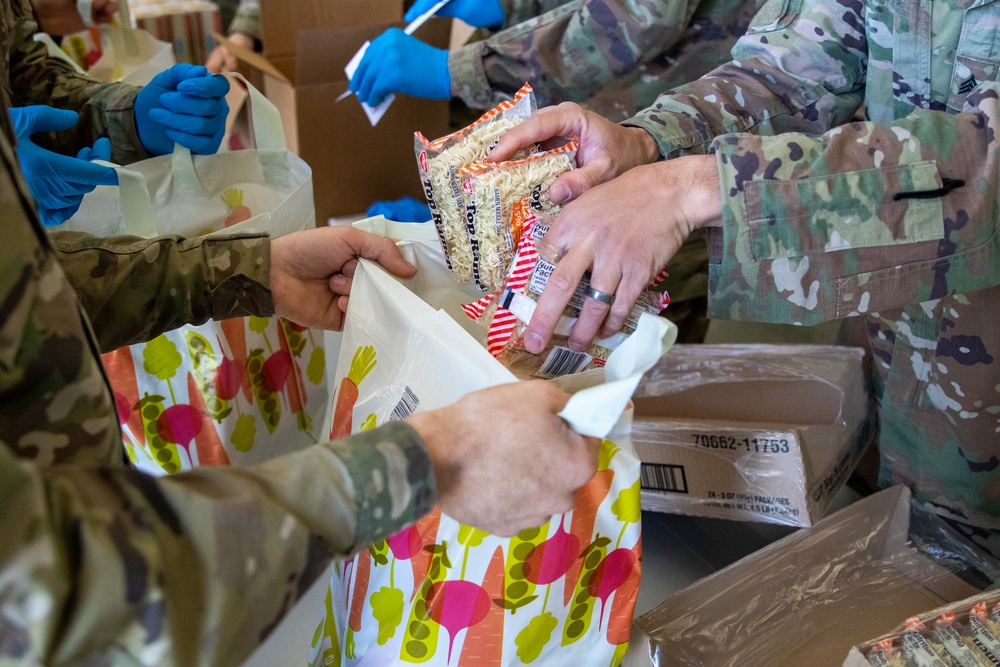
704,206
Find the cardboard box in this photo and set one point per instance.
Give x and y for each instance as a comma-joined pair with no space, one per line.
307,43
808,598
187,24
751,432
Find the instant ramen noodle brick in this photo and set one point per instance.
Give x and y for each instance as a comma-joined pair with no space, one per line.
439,162
498,321
499,197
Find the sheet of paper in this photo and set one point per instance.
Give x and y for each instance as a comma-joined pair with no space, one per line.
375,113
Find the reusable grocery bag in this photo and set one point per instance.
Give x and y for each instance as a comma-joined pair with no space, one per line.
238,391
441,593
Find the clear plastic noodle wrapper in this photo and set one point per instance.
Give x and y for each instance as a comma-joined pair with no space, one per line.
979,636
885,654
498,199
439,162
919,648
950,636
819,595
505,313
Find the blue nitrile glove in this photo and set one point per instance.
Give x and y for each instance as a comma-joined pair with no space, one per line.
398,63
57,182
477,13
184,104
406,209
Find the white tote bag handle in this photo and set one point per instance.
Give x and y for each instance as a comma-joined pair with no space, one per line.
401,231
269,136
137,209
56,52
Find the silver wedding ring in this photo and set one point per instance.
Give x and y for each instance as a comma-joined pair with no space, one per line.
598,295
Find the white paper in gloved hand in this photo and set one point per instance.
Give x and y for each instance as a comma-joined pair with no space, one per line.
375,113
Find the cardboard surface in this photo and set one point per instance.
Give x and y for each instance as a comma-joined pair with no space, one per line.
751,432
804,600
306,46
281,21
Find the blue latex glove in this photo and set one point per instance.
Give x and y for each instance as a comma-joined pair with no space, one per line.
406,209
477,13
57,182
184,104
398,63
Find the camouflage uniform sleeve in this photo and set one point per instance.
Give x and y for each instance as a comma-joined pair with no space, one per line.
568,53
865,218
518,11
105,109
247,19
800,67
108,566
134,289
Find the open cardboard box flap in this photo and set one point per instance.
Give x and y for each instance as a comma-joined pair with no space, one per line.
806,599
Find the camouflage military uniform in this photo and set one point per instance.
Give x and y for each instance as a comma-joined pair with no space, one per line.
245,18
102,565
893,219
612,57
29,76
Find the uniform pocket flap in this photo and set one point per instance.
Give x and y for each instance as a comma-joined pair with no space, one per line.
842,211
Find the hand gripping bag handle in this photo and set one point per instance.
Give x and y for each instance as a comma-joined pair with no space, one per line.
269,136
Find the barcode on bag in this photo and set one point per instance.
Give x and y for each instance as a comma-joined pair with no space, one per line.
407,406
563,361
660,477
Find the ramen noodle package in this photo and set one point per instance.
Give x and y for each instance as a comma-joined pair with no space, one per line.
506,313
440,162
478,207
963,634
500,197
950,636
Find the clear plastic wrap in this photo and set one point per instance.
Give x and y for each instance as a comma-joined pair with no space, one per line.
807,599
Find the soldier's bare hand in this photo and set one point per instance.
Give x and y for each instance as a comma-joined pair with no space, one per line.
312,272
222,60
606,148
503,460
625,231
